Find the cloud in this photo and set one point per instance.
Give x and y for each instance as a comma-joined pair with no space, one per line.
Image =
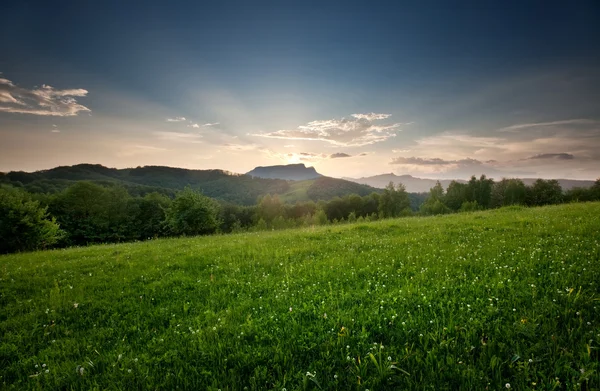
371,116
578,121
338,155
558,156
45,101
417,161
241,147
179,136
134,150
195,126
176,119
211,124
356,131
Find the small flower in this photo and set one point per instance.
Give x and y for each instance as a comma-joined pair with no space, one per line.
75,305
389,358
290,309
507,385
530,360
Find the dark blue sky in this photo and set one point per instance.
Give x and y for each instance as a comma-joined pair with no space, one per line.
439,71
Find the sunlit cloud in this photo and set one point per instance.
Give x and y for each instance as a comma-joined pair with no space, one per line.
45,101
176,119
356,131
195,126
433,161
211,124
371,116
240,147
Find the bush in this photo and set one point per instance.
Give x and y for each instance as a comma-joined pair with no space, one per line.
24,224
192,213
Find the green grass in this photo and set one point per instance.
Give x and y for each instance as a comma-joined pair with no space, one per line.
473,301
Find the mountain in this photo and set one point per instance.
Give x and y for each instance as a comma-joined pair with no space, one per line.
412,184
422,185
218,184
293,172
222,185
566,184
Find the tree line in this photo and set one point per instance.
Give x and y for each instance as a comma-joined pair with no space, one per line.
86,212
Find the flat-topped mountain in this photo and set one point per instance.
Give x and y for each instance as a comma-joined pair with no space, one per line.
293,172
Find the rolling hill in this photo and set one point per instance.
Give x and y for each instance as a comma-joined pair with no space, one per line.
219,184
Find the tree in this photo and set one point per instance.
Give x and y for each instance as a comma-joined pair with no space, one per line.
456,195
434,204
150,216
269,207
24,224
192,213
545,193
81,211
508,192
480,190
394,201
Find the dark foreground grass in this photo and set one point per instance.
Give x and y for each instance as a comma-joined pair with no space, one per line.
490,300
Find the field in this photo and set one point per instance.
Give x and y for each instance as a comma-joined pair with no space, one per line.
501,299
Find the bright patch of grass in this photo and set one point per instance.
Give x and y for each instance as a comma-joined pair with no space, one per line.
470,301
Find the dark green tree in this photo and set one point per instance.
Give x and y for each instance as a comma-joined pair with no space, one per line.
394,201
545,192
456,195
192,213
434,204
25,224
508,192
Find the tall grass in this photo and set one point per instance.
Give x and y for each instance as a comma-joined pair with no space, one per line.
488,300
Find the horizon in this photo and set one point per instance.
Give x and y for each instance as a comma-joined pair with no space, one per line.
424,177
353,90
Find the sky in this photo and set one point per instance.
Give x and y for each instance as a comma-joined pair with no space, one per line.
431,89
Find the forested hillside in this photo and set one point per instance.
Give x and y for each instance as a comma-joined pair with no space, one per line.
219,184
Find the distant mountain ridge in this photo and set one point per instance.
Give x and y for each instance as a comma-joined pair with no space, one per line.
422,185
219,184
292,172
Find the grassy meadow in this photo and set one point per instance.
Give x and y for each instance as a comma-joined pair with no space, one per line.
501,299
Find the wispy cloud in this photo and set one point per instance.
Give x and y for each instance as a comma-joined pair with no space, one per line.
240,147
45,101
195,126
578,121
356,131
55,129
179,136
134,150
176,119
417,161
558,156
211,124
